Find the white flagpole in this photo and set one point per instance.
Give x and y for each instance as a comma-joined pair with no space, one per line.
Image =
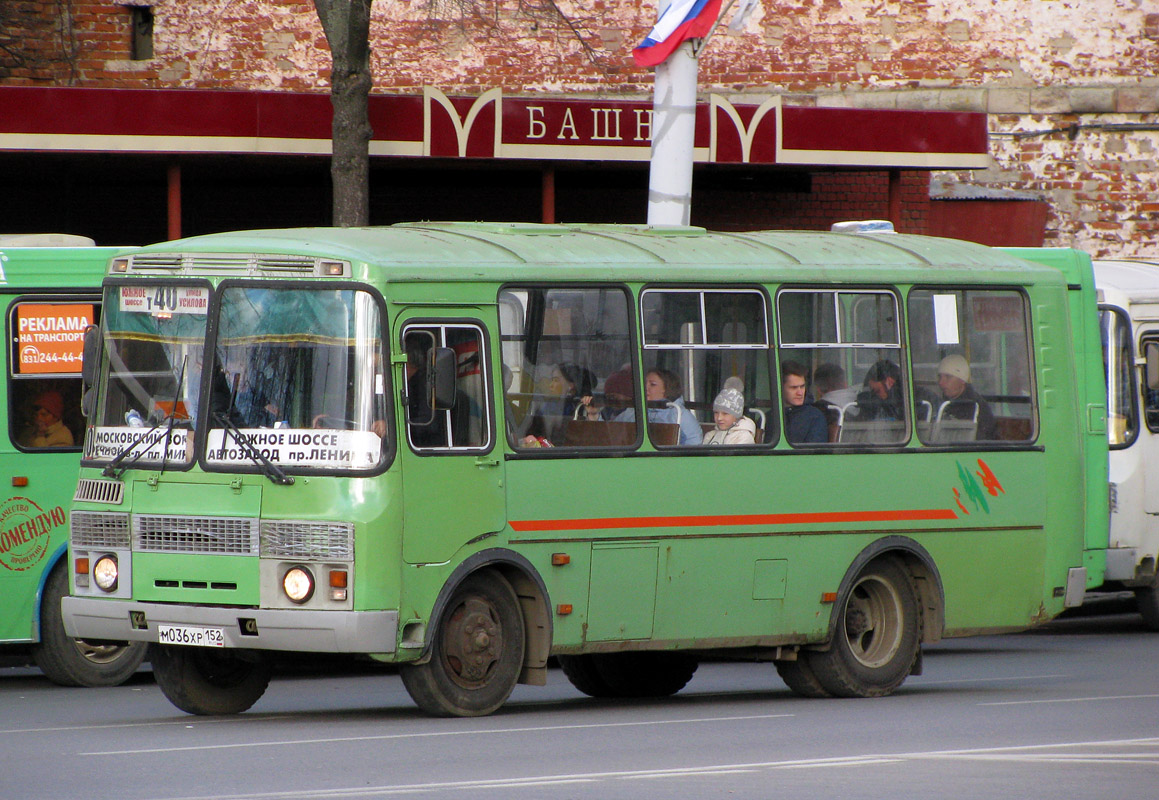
673,126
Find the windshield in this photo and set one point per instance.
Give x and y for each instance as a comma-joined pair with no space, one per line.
298,376
154,339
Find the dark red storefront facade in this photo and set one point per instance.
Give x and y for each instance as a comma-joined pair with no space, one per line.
133,166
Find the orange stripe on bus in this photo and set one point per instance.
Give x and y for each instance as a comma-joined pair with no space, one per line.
734,519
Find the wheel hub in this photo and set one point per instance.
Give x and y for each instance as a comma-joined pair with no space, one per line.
474,642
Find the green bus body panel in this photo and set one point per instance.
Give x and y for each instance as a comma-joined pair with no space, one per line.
27,556
1090,390
681,550
211,579
188,498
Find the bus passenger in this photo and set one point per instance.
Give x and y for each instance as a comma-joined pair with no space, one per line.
961,397
618,395
732,426
663,392
834,394
47,428
830,386
804,423
882,398
569,384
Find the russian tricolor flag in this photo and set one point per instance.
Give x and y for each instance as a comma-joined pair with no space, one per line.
681,21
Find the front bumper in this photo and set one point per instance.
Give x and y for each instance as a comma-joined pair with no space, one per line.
249,628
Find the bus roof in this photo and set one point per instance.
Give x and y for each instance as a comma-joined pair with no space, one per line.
54,267
500,251
1138,280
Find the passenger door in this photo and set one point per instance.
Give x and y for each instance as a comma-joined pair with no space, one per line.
452,475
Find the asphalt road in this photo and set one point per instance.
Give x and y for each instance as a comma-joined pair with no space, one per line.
1068,711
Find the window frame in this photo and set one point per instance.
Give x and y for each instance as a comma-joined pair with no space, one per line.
773,423
487,404
94,297
901,346
633,352
389,447
1031,363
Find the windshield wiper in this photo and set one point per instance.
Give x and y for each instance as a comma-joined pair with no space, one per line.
268,468
111,470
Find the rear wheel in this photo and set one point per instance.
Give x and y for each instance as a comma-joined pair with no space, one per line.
1147,601
202,681
799,676
79,662
876,642
585,676
477,652
637,674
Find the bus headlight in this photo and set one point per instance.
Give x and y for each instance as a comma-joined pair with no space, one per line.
105,573
298,584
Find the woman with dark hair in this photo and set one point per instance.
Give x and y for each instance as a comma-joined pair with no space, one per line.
663,393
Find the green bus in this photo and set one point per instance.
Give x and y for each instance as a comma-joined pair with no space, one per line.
49,293
467,448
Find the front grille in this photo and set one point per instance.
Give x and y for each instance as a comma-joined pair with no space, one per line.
95,490
308,541
99,529
164,533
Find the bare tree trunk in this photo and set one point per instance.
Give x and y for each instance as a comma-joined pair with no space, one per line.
347,27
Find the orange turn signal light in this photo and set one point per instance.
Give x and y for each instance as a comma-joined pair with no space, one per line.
338,578
19,480
829,597
563,609
81,565
559,559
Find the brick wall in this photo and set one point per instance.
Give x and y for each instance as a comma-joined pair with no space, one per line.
1033,66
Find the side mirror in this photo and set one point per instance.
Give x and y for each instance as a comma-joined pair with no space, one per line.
444,372
91,355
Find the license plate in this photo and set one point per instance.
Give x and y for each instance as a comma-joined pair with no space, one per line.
191,635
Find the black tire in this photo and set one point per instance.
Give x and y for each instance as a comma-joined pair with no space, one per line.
635,674
205,681
477,652
877,636
799,676
1147,601
585,676
79,662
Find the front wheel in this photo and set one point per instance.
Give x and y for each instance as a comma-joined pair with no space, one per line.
202,681
876,642
477,652
79,662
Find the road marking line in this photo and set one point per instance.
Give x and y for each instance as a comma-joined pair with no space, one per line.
1072,700
923,682
992,753
422,734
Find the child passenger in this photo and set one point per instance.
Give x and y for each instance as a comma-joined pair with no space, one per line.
732,426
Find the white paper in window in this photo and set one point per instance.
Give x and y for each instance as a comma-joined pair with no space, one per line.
946,318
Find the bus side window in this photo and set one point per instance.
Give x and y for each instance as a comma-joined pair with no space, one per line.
568,372
971,363
461,420
45,379
847,344
1151,383
707,376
